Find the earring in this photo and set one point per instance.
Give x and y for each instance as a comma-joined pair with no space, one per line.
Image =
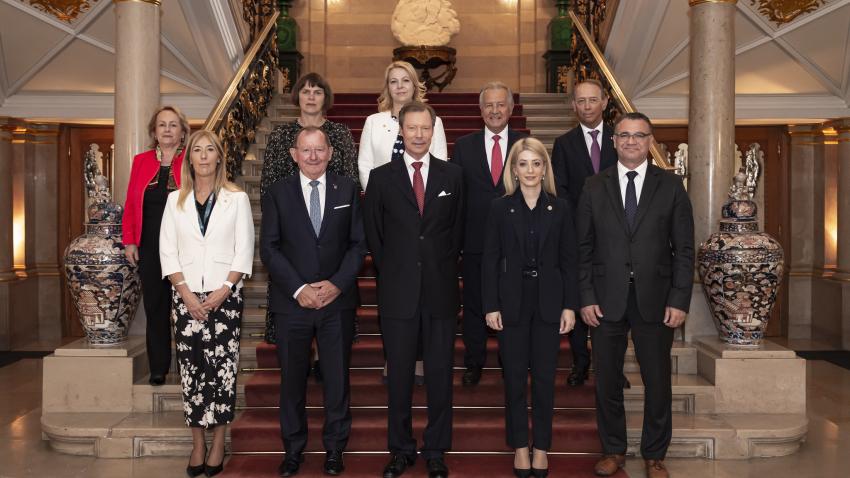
516,178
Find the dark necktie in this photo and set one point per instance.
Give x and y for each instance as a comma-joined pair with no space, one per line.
595,151
496,160
315,207
631,199
419,186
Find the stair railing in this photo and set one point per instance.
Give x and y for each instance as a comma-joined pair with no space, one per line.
243,104
616,91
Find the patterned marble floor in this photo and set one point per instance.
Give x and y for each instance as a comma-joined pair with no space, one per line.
825,454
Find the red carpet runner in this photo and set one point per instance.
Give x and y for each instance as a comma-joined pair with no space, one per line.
479,448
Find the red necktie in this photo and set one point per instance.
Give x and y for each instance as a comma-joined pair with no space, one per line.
419,186
496,160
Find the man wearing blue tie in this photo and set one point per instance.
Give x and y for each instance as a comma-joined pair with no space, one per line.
312,243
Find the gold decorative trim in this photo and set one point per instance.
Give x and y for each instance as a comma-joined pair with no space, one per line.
659,158
694,3
785,11
65,10
152,2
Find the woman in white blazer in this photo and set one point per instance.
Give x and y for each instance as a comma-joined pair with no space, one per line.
206,247
380,141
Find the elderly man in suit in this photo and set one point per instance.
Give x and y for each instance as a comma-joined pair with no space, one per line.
414,224
636,267
482,156
313,243
578,154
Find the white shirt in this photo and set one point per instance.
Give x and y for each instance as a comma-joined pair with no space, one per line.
306,189
489,142
426,161
588,139
624,180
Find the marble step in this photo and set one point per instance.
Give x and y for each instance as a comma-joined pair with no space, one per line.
709,436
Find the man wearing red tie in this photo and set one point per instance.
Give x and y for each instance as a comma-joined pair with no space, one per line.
482,156
414,226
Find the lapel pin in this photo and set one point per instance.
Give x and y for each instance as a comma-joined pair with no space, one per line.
549,207
334,186
512,209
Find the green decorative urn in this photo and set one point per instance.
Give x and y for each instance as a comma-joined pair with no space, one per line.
287,29
561,28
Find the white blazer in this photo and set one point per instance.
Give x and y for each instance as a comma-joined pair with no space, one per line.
206,260
378,137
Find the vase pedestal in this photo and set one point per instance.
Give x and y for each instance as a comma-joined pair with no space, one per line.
753,380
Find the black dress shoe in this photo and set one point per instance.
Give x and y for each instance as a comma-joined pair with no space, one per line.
398,463
472,376
195,470
317,372
577,377
214,470
289,466
333,463
522,472
437,468
157,379
539,472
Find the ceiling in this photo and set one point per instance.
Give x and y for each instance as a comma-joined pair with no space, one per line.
793,72
57,59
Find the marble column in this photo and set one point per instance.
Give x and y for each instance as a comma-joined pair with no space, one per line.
711,128
137,66
7,273
842,269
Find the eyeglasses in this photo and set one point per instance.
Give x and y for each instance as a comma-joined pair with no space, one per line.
637,136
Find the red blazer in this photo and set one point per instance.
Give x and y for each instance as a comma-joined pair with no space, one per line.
145,167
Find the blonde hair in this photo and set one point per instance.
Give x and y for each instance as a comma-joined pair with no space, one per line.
184,125
535,146
187,173
385,100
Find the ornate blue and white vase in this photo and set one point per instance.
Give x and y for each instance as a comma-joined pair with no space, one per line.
104,286
741,267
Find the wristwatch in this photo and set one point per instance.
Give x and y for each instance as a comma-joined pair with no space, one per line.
230,285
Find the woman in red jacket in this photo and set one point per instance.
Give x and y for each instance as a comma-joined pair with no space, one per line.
155,173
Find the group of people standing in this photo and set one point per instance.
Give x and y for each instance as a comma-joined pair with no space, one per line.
595,231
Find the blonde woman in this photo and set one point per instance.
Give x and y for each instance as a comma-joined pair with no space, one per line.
529,275
206,247
380,141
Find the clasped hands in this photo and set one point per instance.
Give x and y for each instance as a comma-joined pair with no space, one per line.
318,294
673,317
568,321
200,310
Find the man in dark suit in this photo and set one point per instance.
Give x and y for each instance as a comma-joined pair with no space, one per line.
313,243
482,156
414,224
578,154
636,268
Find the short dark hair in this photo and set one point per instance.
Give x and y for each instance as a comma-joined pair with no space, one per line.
311,129
313,79
416,107
635,116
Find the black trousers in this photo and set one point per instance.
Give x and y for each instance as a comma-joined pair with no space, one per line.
156,295
653,341
474,326
532,345
334,333
401,338
578,345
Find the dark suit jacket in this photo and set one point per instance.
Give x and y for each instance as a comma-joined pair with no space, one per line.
294,256
416,257
660,250
470,154
503,259
571,161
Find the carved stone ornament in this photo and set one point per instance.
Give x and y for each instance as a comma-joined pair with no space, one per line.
741,267
784,11
424,22
65,10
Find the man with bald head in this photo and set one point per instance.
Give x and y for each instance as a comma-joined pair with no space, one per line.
578,154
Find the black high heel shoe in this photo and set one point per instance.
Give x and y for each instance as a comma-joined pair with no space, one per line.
196,470
539,472
522,472
214,470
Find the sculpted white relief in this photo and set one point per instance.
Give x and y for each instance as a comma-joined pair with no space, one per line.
424,22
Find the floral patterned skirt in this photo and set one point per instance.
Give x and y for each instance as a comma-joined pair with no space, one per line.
208,356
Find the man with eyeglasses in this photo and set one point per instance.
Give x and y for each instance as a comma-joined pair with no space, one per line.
636,264
578,154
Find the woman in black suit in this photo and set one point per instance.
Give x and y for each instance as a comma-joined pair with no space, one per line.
530,294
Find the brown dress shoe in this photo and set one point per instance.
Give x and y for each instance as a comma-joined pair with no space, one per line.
656,469
609,464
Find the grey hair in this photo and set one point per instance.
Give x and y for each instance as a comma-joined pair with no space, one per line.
496,85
